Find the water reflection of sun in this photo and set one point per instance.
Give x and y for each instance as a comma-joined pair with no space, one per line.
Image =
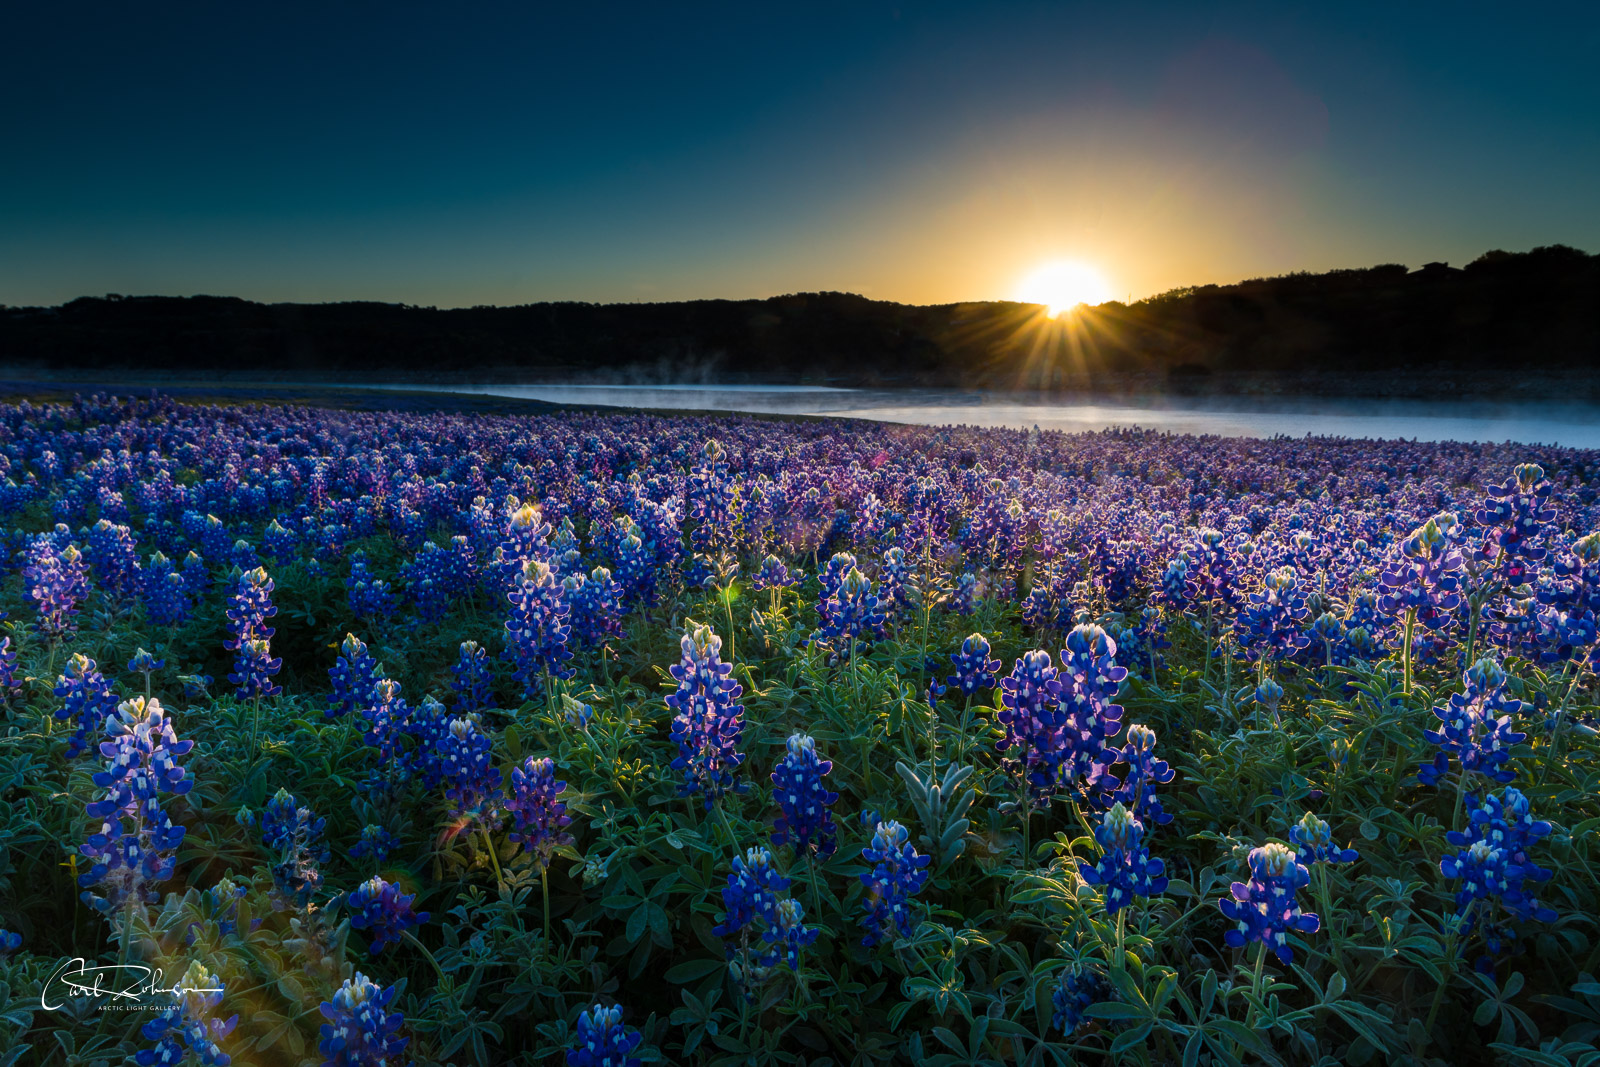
1062,285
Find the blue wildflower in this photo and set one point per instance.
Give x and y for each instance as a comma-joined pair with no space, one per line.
379,908
360,1032
1477,729
1265,908
1145,772
975,671
898,874
351,677
1314,840
1126,869
603,1041
87,699
1494,862
474,678
707,720
1078,988
537,628
135,847
376,841
806,802
540,819
186,1025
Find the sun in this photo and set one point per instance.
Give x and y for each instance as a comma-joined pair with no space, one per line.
1062,285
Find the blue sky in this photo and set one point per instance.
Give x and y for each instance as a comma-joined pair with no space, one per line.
456,155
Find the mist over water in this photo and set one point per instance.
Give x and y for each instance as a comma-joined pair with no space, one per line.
1571,425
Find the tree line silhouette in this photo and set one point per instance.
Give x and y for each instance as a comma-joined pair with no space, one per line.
1518,322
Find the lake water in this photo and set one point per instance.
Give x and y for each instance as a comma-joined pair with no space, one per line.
1573,425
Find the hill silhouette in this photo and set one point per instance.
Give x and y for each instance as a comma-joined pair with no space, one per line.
1507,323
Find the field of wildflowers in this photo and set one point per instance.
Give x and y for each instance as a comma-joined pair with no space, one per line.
398,738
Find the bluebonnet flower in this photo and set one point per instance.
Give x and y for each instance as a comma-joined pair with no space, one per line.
707,719
786,934
379,908
1426,576
1078,988
294,833
360,1031
975,671
57,583
196,686
850,615
9,685
465,763
565,551
474,678
254,667
1493,862
1328,632
113,557
1174,587
537,628
352,677
1269,625
1212,572
1313,840
87,698
603,1041
964,597
248,611
196,578
1477,728
1145,772
1266,909
1088,683
387,718
898,874
806,802
596,607
1267,694
244,556
894,582
829,579
525,542
9,943
774,575
636,565
186,1025
146,664
164,594
1125,869
368,595
219,907
1032,718
1515,515
577,713
710,496
376,842
540,819
430,582
751,893
281,543
135,847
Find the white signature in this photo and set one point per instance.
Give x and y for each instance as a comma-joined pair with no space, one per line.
119,981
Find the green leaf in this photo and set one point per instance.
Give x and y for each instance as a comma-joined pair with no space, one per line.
693,970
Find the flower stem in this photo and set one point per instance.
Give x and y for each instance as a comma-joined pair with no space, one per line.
1255,984
544,888
409,936
494,858
1405,652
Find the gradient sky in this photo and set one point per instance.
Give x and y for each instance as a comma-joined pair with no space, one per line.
453,155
